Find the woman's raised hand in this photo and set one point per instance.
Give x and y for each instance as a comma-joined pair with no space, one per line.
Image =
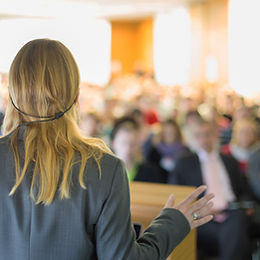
197,212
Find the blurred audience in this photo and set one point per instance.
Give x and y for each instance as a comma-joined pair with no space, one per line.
125,143
222,176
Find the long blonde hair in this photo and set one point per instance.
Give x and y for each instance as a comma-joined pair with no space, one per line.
44,80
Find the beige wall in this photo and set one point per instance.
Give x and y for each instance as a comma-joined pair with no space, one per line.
209,37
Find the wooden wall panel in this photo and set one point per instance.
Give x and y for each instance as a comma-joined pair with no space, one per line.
132,44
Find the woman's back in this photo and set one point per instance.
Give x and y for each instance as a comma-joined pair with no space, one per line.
94,223
62,230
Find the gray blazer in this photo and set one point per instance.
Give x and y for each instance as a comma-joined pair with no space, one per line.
93,224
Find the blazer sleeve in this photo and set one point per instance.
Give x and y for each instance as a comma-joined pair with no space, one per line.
115,236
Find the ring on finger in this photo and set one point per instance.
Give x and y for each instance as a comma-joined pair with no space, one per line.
195,216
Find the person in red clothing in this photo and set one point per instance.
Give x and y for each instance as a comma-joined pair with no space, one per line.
245,139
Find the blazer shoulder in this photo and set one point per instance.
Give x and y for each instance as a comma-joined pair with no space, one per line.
111,167
110,161
6,147
5,140
102,173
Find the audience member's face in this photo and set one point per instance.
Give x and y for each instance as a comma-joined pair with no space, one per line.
169,134
139,118
175,113
246,137
213,114
126,144
242,112
205,137
191,120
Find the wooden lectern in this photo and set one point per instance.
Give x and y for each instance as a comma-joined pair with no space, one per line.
147,200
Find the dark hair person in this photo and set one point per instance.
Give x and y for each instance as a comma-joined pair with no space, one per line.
126,144
64,196
168,145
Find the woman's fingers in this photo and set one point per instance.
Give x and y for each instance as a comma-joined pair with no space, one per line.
196,212
201,202
170,202
204,211
200,209
194,195
201,221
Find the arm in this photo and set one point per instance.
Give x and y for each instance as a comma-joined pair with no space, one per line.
115,237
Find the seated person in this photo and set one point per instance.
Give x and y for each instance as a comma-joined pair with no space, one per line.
125,143
146,133
227,235
167,145
191,119
244,141
243,112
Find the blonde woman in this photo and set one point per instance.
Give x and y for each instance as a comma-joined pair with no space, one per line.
63,196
